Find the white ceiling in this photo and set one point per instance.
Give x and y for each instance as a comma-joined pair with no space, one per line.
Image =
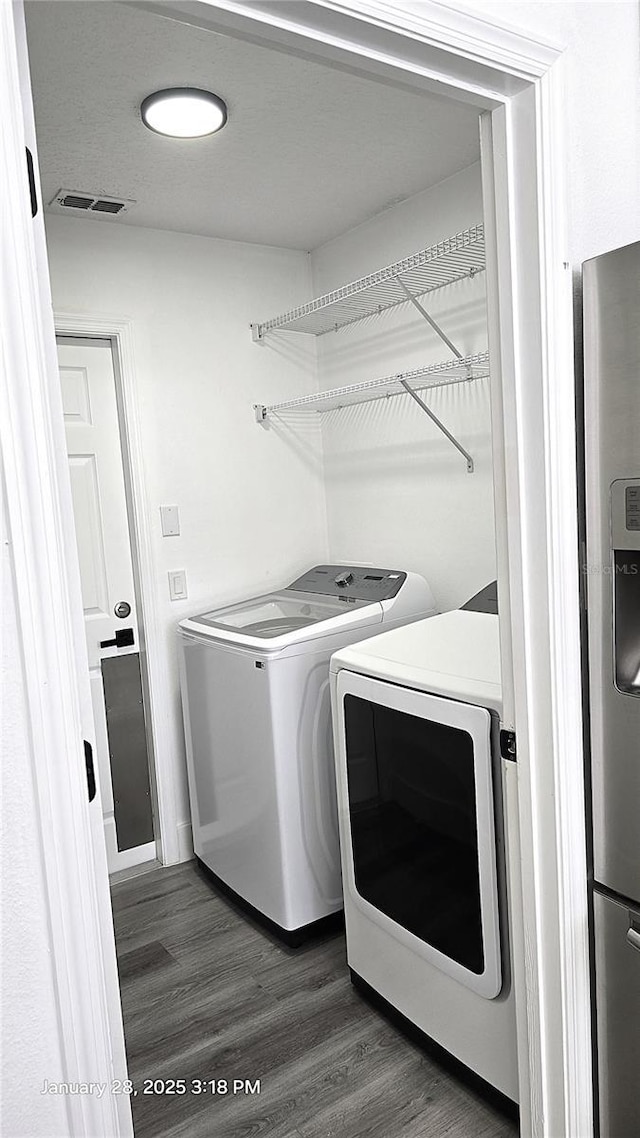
308,151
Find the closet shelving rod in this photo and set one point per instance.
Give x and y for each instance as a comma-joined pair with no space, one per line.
453,259
420,379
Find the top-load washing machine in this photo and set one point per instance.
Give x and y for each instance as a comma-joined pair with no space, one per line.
420,791
257,718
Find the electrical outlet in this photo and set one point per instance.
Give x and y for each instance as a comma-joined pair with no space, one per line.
178,584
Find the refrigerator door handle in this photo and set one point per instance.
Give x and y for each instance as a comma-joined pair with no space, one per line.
633,933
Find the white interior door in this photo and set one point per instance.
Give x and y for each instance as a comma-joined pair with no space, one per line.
106,570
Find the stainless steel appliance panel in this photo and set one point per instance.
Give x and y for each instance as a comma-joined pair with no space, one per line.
618,1015
612,461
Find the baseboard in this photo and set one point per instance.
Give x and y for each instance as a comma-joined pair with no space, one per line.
122,875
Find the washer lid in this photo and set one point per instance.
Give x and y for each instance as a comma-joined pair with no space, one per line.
282,618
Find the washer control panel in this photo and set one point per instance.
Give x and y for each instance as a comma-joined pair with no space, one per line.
352,582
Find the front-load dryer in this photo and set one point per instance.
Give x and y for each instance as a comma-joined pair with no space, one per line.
419,781
257,718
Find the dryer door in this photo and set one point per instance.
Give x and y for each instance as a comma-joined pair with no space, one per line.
415,777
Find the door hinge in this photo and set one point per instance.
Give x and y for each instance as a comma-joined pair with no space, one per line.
91,775
33,194
508,748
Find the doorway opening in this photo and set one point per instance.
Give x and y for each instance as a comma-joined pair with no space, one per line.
335,200
526,815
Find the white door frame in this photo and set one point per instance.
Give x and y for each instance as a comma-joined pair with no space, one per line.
155,678
433,46
49,612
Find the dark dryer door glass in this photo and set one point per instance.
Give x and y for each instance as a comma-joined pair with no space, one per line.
412,805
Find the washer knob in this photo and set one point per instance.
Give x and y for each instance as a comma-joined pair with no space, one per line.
344,579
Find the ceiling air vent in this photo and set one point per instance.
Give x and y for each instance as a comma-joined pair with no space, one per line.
104,206
74,201
89,203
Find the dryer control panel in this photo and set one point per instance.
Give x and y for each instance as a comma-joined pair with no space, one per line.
351,582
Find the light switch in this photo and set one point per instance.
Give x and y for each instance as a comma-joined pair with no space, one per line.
177,584
170,521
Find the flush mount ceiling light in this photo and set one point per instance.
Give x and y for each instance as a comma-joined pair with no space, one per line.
184,112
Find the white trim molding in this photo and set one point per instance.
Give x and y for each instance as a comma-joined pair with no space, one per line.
432,47
82,946
562,659
537,406
185,841
459,30
435,46
120,332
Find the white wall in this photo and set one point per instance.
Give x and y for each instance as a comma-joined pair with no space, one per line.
251,500
29,1032
602,117
398,493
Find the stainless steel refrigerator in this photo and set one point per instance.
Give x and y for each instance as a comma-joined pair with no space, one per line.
611,294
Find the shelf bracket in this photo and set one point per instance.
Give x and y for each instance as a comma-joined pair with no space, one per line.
423,312
257,333
260,412
441,427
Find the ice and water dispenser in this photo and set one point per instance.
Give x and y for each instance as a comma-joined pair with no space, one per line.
625,540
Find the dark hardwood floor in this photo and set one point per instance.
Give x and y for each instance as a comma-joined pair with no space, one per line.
207,995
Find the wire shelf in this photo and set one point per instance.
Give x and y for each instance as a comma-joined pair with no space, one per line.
456,258
420,379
